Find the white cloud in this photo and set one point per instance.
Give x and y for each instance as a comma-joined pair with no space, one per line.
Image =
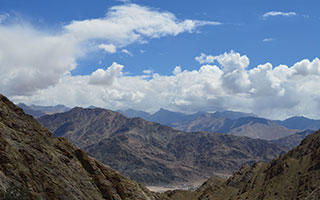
177,70
277,13
270,91
35,67
126,52
33,59
130,23
147,71
203,58
109,48
268,39
106,77
230,61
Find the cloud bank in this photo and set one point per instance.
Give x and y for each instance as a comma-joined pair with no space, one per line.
35,68
226,83
32,59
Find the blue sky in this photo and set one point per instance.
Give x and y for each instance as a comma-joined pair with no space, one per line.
69,49
243,30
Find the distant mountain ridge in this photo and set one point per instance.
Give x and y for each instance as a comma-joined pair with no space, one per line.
226,122
38,111
171,118
301,123
229,122
246,126
156,154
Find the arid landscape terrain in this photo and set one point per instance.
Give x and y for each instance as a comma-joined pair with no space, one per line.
159,100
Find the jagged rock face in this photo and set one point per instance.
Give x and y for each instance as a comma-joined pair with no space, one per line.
153,153
295,175
52,168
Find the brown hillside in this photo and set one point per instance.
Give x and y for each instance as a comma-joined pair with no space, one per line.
52,168
155,154
295,175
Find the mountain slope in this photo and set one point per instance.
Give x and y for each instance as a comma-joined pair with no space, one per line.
173,119
294,140
52,168
227,122
301,123
153,153
295,175
30,111
247,126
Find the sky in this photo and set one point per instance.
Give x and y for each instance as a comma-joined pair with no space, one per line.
187,56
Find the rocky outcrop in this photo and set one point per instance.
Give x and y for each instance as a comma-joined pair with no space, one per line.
52,168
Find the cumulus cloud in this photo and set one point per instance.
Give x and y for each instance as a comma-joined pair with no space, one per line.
270,91
203,58
130,23
147,71
33,59
230,61
109,48
106,77
35,67
277,13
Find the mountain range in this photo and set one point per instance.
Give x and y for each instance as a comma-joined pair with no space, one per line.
38,111
229,122
218,121
301,123
156,154
295,175
34,164
171,118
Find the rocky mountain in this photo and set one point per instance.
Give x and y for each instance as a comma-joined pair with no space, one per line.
226,122
38,111
30,111
153,153
32,158
174,119
252,127
295,175
294,140
301,123
232,114
135,113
